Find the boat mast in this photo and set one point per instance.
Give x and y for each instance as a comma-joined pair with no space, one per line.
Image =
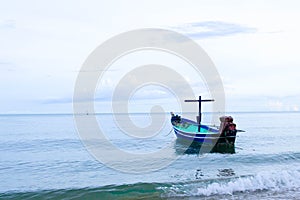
199,108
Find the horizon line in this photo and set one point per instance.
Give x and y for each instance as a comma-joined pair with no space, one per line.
109,113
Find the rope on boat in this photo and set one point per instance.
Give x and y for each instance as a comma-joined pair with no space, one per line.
239,148
169,132
243,149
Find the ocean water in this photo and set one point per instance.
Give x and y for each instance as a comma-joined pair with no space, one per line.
42,157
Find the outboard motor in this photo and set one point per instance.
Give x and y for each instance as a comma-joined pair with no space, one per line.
227,130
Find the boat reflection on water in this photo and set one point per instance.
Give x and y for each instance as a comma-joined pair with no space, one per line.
185,147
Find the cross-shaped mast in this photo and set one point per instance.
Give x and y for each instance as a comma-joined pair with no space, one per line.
199,111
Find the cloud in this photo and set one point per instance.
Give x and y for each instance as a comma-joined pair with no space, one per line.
7,66
208,29
7,24
56,100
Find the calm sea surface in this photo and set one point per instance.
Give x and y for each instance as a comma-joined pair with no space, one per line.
42,157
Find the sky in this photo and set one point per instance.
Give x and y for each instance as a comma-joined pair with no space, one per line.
253,44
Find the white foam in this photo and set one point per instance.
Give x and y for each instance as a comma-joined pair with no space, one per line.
275,181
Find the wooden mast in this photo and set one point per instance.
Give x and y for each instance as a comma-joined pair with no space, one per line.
199,108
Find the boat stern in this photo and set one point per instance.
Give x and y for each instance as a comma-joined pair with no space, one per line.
227,130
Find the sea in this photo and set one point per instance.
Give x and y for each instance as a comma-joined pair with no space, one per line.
42,156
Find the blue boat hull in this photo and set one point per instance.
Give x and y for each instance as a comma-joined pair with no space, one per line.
207,135
203,138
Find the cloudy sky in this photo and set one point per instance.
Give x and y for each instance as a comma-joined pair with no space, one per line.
254,45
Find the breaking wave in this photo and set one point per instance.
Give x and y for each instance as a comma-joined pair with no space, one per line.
278,181
281,181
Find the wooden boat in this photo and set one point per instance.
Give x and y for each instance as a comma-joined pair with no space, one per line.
191,131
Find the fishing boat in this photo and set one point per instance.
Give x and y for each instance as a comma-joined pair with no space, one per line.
196,132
